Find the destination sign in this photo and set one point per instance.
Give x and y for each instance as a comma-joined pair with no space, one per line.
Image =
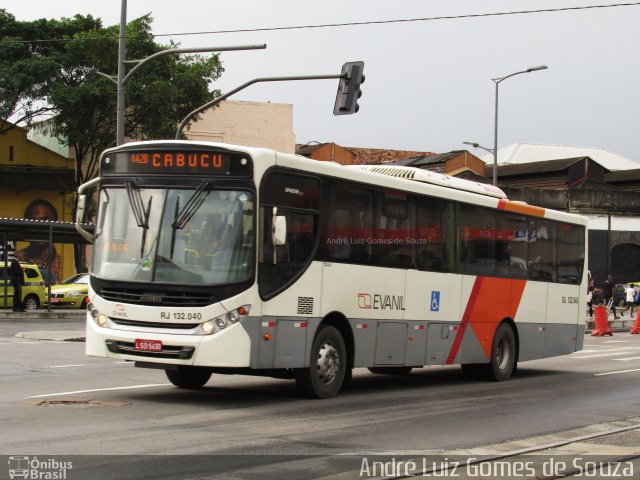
172,161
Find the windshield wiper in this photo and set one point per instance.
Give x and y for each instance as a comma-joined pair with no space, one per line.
181,218
141,215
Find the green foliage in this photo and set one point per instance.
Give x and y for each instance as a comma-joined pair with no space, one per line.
39,77
29,63
39,74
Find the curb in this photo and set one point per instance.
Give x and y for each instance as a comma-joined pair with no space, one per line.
60,336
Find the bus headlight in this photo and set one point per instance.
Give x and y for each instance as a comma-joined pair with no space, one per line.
220,323
101,319
207,327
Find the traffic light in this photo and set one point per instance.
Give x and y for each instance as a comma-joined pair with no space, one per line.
349,89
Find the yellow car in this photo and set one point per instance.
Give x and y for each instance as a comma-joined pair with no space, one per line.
72,292
33,292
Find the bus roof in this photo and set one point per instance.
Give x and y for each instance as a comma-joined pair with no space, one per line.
435,178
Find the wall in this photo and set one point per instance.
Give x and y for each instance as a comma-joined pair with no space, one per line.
31,200
250,124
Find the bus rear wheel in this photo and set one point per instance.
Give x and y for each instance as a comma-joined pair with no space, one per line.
503,355
503,361
328,366
189,377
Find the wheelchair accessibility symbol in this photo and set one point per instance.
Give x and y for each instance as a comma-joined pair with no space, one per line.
435,301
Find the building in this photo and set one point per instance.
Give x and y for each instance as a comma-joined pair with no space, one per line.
252,124
602,186
38,184
332,152
458,163
519,153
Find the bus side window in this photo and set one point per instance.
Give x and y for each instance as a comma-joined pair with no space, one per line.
542,251
431,236
477,232
392,246
570,248
349,225
297,199
514,233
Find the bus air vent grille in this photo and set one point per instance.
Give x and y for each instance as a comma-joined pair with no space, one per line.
305,305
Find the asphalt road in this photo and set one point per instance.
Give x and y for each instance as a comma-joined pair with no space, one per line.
55,402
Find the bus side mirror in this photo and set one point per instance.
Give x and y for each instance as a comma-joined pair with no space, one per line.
280,231
80,210
82,200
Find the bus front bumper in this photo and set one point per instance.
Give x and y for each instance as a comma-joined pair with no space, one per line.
230,347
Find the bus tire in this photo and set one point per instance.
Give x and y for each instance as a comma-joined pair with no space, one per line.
391,370
503,355
189,377
327,367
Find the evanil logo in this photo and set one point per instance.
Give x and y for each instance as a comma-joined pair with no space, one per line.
377,301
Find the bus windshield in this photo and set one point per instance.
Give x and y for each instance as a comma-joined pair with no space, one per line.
199,236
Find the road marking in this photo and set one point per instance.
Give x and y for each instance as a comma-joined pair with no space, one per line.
614,373
618,341
575,357
151,385
626,359
68,366
89,364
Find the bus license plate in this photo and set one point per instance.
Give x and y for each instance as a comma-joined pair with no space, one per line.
148,345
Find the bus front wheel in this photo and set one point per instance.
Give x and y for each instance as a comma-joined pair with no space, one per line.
189,377
328,366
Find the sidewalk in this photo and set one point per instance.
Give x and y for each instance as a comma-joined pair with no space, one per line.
622,324
57,315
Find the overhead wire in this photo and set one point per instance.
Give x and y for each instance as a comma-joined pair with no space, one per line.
356,24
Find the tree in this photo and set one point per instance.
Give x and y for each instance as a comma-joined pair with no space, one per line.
28,65
158,96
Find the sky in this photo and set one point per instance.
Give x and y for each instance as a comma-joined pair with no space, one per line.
428,83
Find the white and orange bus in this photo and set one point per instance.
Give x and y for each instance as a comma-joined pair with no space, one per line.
214,258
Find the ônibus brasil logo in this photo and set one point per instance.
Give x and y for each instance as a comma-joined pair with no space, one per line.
35,468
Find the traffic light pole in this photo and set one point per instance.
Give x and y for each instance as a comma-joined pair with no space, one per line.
219,99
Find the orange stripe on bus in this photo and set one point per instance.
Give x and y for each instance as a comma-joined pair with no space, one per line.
491,300
518,207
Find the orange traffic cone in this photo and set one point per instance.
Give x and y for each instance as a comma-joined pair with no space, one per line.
602,323
636,327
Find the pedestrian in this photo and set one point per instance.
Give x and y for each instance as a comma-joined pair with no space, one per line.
609,293
17,280
631,298
590,294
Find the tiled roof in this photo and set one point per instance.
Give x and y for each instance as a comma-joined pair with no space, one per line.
367,156
374,156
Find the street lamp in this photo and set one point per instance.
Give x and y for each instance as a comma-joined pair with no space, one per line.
495,128
477,145
121,79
